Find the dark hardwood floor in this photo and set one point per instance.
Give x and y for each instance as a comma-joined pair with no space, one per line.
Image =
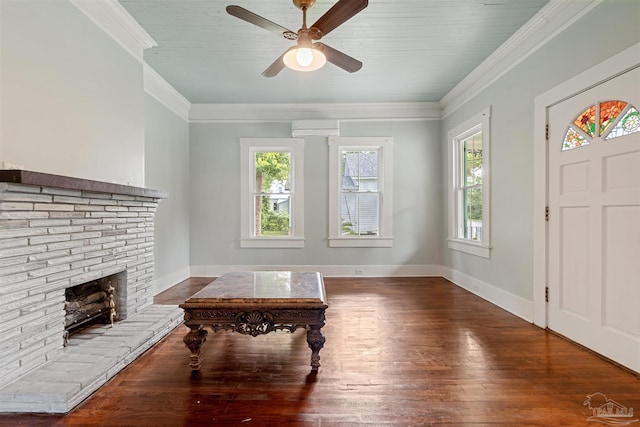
399,351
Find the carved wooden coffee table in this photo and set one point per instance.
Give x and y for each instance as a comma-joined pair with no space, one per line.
256,303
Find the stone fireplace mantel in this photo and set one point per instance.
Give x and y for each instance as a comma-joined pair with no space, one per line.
57,232
69,183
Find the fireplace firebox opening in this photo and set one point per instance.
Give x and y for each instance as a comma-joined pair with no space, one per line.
94,302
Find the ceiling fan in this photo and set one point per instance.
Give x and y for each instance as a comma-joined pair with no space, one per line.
308,54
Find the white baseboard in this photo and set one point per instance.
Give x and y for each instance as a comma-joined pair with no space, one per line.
326,270
503,299
165,282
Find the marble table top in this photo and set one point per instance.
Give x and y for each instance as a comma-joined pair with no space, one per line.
263,287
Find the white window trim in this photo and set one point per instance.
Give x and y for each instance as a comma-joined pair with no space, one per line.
385,238
480,121
248,146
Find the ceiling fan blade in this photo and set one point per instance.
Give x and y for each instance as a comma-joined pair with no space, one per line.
252,18
276,67
338,14
338,58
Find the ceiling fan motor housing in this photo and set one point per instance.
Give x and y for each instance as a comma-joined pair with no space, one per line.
304,4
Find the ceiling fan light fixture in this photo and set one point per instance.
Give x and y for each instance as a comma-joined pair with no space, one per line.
308,54
304,56
304,59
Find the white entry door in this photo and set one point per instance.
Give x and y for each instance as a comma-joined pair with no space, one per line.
594,219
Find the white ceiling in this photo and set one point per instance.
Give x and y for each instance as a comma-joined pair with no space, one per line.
412,50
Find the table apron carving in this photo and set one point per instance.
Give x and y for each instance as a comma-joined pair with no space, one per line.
211,317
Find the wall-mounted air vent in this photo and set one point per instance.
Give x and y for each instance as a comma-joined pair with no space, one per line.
315,128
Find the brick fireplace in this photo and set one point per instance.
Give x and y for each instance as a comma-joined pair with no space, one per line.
55,233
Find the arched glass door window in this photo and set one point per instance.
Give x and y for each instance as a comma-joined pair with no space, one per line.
607,120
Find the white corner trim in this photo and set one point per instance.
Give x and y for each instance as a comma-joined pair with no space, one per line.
114,20
512,303
555,17
248,113
156,86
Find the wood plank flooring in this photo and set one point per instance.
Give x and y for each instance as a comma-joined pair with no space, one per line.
399,352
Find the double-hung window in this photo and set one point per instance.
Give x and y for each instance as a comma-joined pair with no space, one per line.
272,199
361,199
469,220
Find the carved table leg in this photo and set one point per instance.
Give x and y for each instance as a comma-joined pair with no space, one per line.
194,340
316,340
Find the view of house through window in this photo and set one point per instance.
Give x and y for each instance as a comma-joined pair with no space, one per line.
272,193
272,196
359,193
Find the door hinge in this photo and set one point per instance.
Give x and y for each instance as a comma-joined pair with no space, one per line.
546,294
546,213
546,132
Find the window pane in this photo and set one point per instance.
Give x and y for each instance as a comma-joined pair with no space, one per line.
587,121
272,215
629,124
360,199
609,112
472,167
368,214
472,216
359,170
349,223
360,214
272,194
573,139
273,171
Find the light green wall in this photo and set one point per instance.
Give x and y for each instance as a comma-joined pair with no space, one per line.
72,98
167,169
215,202
608,29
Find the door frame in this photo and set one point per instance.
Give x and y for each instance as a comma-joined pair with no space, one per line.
620,63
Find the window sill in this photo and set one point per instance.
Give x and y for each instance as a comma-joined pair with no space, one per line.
360,242
468,247
274,243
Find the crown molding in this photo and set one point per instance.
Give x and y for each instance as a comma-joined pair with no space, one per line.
247,113
114,20
555,17
163,92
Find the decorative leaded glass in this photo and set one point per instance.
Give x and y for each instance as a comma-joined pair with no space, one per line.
573,139
615,119
629,124
609,112
587,121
